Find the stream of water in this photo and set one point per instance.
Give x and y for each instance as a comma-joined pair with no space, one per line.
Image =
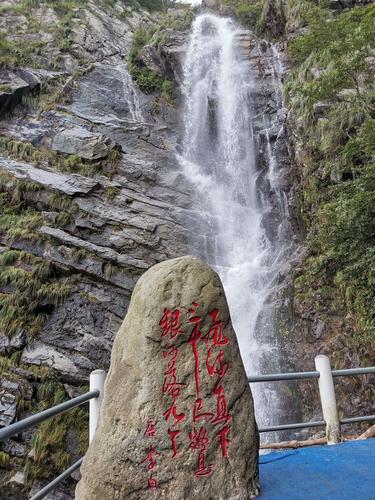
235,198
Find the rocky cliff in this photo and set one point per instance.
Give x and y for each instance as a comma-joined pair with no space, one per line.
91,196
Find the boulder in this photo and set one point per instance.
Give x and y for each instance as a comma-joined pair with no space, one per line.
82,142
177,419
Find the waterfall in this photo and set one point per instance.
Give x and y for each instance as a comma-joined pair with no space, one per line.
130,93
243,214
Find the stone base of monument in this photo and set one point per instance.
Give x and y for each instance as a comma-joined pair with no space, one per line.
177,419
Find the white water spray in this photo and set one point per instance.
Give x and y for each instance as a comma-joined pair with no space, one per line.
130,94
218,156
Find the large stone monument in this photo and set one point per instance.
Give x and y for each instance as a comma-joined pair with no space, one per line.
177,419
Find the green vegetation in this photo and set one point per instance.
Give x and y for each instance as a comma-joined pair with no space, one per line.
332,95
20,52
249,14
28,283
111,192
147,80
263,17
49,443
156,35
24,49
25,151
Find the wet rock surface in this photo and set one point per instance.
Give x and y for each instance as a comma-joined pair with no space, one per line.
163,378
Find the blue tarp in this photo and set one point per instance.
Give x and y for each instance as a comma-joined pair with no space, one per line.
341,472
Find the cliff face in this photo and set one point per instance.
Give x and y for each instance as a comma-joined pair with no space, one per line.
91,197
329,93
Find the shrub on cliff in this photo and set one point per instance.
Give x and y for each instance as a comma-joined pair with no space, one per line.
332,95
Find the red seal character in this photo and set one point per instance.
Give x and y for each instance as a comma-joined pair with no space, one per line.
170,323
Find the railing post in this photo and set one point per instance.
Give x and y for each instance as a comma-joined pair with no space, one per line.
328,399
97,379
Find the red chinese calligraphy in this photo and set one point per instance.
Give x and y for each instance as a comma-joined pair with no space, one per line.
152,482
150,429
173,434
172,411
194,338
224,440
170,384
216,330
213,343
218,366
198,404
221,407
172,388
150,459
200,441
170,323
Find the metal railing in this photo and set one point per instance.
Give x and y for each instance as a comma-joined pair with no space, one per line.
323,374
94,397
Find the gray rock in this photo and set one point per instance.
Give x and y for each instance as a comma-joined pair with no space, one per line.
172,52
82,142
102,252
11,344
70,184
210,4
151,58
13,448
35,77
17,83
106,95
37,353
154,349
8,407
12,88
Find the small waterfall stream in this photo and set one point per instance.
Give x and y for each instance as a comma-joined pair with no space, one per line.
130,94
243,209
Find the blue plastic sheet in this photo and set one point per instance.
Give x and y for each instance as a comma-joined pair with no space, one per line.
341,472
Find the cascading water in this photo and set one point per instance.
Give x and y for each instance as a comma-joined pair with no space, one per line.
130,94
243,212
